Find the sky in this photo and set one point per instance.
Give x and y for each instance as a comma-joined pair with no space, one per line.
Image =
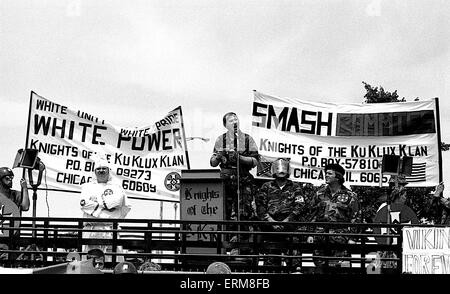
131,62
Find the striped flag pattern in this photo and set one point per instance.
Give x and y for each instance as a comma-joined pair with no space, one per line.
417,173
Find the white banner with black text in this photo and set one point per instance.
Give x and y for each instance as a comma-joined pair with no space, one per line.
147,160
356,136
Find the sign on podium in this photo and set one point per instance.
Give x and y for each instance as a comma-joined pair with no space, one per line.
202,199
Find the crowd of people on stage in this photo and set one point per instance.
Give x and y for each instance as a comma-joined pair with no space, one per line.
236,154
283,201
279,201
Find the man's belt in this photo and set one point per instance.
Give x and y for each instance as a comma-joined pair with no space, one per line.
232,173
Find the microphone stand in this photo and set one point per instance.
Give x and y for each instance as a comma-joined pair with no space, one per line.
236,145
40,166
389,200
388,220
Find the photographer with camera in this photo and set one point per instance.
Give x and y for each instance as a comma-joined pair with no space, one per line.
236,154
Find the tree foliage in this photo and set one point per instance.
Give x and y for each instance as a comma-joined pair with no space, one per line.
375,95
419,199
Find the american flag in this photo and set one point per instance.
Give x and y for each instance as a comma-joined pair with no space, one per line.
417,173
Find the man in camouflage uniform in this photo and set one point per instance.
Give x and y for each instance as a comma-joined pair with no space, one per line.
235,151
441,204
280,200
397,197
333,202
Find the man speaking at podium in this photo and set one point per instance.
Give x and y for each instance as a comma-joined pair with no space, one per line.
236,154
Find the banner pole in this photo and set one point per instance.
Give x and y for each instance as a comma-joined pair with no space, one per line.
161,208
28,130
184,138
34,197
29,118
175,206
438,130
388,203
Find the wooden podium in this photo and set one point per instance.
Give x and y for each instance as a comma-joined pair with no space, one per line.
202,199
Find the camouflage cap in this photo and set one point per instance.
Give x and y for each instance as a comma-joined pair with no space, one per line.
336,167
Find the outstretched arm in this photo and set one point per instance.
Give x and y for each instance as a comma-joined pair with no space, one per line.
25,205
248,161
252,156
439,195
439,190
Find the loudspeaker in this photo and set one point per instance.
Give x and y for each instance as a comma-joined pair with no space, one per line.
390,164
394,165
406,165
27,158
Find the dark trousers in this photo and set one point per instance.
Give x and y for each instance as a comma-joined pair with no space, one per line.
322,265
245,209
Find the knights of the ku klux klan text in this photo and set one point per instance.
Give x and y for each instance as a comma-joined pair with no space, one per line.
146,159
355,136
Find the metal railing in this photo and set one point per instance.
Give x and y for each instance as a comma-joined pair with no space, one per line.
191,246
